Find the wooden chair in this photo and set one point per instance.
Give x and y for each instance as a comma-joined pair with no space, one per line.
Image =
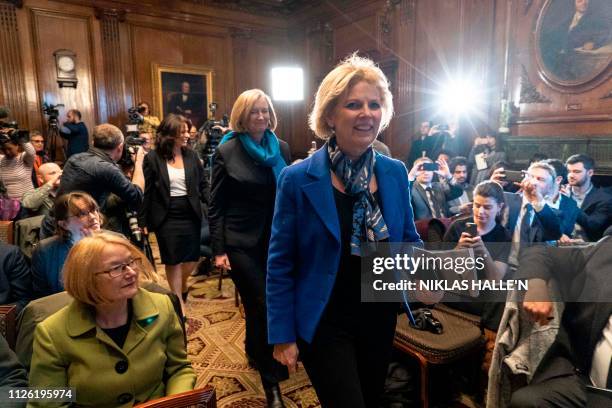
6,232
201,398
462,338
8,324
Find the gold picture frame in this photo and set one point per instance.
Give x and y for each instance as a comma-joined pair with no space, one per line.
169,91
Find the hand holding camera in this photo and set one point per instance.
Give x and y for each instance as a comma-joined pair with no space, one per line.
443,171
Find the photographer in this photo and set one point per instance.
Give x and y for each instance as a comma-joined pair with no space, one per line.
487,151
149,123
16,163
75,132
97,173
430,199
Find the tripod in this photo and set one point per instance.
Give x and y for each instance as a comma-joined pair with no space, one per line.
53,137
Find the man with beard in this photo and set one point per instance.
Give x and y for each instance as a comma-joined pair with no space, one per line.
459,169
595,204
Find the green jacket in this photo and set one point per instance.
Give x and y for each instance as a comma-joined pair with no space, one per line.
71,351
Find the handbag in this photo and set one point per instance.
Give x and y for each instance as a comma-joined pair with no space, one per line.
9,209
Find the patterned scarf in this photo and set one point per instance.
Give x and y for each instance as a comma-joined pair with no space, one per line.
368,223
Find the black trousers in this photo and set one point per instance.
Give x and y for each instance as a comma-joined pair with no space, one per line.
560,392
347,363
249,275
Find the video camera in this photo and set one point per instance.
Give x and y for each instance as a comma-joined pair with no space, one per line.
135,115
213,135
52,111
130,147
10,132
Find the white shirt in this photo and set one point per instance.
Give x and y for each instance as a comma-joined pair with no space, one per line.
601,357
575,20
178,186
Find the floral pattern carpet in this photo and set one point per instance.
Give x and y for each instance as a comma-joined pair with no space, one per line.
215,337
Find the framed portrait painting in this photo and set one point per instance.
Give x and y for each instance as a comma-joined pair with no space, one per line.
183,89
573,41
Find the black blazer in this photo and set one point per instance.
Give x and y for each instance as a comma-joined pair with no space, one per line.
157,187
242,195
546,225
595,214
442,193
582,273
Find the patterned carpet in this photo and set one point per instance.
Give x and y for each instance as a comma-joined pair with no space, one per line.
215,335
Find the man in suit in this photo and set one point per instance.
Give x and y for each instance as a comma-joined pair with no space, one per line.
530,217
185,102
575,33
565,207
582,351
15,276
595,204
421,144
430,199
459,169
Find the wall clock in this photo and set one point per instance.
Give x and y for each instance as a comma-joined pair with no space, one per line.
65,65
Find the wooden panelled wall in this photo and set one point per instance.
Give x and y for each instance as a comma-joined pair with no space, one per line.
116,45
420,44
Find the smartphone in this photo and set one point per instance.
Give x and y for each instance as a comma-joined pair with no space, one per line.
471,229
514,176
430,167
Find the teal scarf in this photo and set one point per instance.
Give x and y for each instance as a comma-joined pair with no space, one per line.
267,153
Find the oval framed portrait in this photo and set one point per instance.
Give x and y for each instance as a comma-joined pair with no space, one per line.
573,43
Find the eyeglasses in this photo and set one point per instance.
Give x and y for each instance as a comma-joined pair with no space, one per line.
37,141
83,215
118,270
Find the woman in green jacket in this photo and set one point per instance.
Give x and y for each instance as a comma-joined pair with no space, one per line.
115,344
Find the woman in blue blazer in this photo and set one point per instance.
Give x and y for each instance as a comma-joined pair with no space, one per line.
326,207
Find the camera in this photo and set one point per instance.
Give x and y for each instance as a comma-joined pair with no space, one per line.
430,167
10,132
135,115
52,111
130,147
132,218
213,135
513,176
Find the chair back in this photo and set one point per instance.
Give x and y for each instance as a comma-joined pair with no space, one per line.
8,324
35,312
27,232
200,398
432,229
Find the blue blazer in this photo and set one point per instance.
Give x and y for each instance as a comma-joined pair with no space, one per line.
304,252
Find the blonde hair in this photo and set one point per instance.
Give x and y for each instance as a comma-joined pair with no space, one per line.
242,109
339,82
545,166
84,260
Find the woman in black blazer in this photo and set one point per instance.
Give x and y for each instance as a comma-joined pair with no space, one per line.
243,188
174,183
